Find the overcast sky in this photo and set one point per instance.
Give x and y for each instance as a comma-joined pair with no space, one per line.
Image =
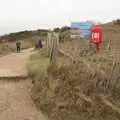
17,15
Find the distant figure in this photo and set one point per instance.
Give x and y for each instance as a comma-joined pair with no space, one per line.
40,44
18,45
109,45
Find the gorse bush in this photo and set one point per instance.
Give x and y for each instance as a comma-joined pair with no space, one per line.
59,93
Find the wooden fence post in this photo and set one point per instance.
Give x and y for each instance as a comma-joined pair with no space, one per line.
54,48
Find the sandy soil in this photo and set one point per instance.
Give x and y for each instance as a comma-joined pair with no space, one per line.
15,96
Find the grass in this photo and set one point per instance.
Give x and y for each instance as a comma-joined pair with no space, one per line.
37,66
56,90
39,63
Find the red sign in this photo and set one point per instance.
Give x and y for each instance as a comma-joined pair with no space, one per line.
96,35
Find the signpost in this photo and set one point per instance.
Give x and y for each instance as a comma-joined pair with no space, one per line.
80,29
96,37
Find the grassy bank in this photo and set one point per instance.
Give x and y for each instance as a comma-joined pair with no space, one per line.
37,66
72,91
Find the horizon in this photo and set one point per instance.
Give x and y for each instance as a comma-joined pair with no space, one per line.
44,27
45,14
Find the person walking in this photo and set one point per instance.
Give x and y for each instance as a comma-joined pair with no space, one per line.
40,44
18,45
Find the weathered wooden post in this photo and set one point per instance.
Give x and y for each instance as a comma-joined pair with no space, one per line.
48,44
54,49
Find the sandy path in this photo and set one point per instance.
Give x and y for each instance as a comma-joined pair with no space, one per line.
14,64
15,100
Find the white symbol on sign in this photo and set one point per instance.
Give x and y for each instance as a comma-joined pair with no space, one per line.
95,35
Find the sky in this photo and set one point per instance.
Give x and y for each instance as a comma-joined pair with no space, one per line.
20,15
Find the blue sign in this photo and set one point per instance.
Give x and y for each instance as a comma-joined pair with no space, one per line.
82,27
86,32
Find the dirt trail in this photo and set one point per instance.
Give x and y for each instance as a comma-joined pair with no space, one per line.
15,100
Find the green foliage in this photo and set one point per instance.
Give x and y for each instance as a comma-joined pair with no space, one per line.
24,35
58,93
117,22
57,30
61,30
65,28
37,66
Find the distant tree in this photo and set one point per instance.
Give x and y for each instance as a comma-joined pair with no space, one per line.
118,21
65,28
56,30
